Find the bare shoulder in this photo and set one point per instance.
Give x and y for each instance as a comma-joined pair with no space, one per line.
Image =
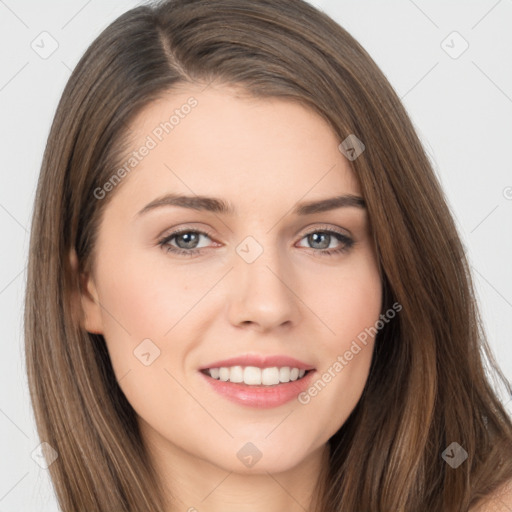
499,501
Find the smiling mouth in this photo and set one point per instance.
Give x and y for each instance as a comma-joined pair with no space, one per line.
256,377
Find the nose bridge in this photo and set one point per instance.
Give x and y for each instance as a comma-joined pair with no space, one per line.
261,291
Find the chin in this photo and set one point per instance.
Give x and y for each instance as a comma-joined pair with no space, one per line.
260,457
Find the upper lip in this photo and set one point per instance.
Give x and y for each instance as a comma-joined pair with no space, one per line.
260,361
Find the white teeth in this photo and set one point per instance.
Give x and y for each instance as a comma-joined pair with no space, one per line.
284,374
236,374
269,376
254,376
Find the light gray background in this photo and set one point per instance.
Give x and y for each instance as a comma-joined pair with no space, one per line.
460,106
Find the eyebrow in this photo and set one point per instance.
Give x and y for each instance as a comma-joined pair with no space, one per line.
217,205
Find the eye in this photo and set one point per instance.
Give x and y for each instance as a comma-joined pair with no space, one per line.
186,242
321,239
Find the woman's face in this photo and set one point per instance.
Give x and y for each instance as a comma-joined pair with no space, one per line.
253,283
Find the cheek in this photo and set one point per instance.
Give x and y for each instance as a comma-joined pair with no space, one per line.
347,299
135,307
142,298
349,302
151,314
141,305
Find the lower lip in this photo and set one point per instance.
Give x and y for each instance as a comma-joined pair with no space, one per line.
261,397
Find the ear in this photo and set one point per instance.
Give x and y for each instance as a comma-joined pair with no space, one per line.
86,299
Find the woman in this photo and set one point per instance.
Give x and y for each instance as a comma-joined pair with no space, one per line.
198,350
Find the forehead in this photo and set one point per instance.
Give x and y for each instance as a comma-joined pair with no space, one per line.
221,142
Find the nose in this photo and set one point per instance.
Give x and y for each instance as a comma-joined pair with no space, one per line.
262,293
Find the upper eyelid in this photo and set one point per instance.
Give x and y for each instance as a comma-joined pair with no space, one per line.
307,230
314,229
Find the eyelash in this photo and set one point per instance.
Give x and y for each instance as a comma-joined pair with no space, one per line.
348,242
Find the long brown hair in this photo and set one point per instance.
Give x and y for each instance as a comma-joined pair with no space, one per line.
427,385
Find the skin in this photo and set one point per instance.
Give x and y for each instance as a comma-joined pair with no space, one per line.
263,156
